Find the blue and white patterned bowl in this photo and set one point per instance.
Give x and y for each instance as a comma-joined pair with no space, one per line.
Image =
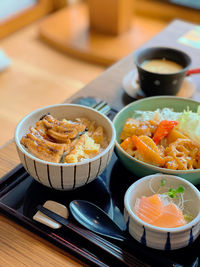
157,237
65,176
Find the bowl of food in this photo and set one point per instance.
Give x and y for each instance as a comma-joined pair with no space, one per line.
163,211
65,146
161,70
160,135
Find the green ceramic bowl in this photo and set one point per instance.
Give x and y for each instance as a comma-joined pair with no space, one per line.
138,167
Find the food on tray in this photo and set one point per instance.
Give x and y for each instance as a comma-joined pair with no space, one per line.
163,210
64,140
164,138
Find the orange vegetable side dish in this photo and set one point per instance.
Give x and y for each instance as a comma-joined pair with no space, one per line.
160,143
152,210
64,141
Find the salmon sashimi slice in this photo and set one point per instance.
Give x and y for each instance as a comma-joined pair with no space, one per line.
171,217
151,210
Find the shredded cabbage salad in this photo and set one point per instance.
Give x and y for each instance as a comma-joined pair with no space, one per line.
189,122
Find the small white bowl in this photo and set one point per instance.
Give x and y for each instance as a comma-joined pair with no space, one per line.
157,237
65,176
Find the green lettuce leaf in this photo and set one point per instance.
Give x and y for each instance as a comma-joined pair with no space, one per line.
189,124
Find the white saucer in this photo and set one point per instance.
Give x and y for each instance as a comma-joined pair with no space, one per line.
132,88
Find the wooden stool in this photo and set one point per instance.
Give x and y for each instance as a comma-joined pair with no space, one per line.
110,16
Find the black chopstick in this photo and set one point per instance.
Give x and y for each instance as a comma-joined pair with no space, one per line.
99,105
117,252
102,107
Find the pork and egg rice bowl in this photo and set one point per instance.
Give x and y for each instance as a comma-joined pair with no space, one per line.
65,141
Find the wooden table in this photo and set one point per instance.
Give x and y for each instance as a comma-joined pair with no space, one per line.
19,246
38,76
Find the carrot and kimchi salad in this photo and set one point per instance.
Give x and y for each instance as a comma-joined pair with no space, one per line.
164,138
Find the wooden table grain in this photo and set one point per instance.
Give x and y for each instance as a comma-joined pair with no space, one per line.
38,76
20,247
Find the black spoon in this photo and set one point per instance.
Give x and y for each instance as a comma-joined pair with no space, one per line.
95,219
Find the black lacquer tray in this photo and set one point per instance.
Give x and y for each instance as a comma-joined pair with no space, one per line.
20,194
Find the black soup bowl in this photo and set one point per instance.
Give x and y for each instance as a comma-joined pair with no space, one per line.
154,83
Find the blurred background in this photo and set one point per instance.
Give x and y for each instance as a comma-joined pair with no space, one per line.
50,49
